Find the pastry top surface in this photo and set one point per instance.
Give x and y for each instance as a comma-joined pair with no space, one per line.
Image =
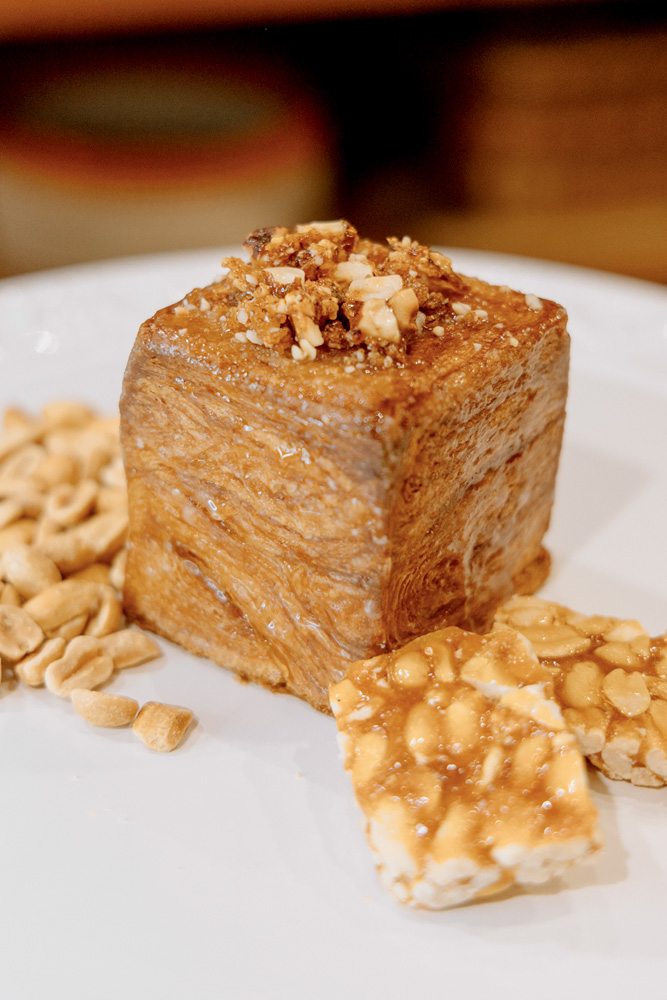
344,317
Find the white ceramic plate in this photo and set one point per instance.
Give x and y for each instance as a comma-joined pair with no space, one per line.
236,866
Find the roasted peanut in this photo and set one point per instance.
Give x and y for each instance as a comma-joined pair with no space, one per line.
627,692
84,664
556,640
95,573
20,465
10,510
423,731
103,709
9,594
96,539
19,633
31,669
112,475
68,504
15,439
68,600
582,685
370,751
54,470
29,570
129,648
162,727
70,629
66,413
18,533
117,570
409,670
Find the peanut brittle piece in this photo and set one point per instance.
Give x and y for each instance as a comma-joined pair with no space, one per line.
463,767
610,679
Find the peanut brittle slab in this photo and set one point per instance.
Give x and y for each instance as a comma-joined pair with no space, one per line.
463,767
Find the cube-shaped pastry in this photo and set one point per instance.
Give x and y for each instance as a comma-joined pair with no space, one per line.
467,777
338,446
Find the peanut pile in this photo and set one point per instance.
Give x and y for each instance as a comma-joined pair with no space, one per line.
63,525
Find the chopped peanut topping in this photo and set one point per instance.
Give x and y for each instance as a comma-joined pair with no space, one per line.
610,679
463,767
320,286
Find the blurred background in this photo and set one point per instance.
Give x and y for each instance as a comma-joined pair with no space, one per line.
530,128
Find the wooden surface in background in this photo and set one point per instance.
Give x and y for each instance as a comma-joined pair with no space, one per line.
625,239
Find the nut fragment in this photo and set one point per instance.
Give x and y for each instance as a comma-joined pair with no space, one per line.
103,709
84,664
68,504
70,599
377,320
18,533
405,306
582,685
9,594
31,669
619,654
129,648
162,727
627,692
409,670
19,633
29,570
117,570
66,413
609,682
97,538
95,573
555,640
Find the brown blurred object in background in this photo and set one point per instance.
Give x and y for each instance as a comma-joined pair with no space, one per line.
112,149
562,150
536,127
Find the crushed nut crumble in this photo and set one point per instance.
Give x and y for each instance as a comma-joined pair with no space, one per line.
320,292
321,286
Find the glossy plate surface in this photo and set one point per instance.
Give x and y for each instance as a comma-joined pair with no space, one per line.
236,866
